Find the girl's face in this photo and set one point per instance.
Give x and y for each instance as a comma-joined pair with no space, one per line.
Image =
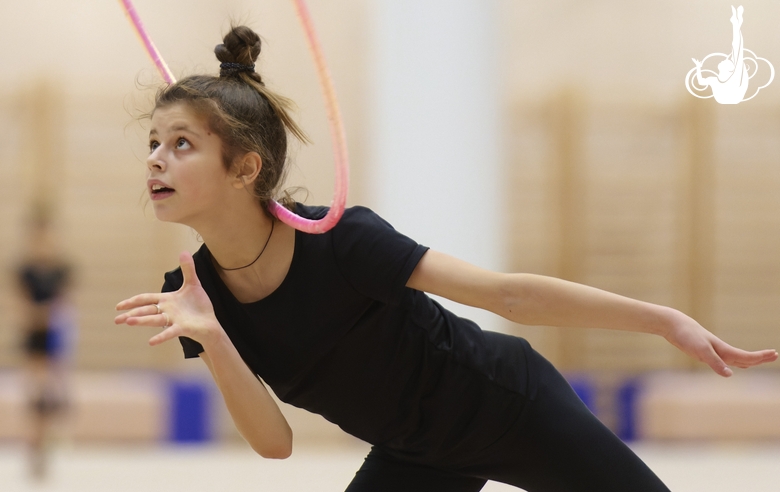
187,179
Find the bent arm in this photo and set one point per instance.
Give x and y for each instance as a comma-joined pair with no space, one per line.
255,414
188,312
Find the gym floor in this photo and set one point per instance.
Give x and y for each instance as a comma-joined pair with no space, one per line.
710,467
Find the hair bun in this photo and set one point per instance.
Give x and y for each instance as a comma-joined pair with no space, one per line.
240,45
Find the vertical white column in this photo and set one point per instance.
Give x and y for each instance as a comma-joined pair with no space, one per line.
436,144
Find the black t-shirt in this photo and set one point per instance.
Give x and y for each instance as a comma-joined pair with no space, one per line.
343,337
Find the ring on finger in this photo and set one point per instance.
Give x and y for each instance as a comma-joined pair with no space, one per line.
167,321
158,308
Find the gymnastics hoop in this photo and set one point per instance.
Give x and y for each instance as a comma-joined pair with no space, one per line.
338,137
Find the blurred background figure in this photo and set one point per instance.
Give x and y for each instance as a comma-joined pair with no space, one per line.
43,276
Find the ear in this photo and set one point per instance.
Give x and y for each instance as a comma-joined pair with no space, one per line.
247,168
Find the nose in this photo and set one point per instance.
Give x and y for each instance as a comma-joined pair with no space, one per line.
154,161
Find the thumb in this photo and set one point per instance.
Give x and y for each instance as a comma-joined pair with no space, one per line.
188,269
713,360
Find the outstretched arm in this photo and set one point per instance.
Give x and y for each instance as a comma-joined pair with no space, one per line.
539,300
188,312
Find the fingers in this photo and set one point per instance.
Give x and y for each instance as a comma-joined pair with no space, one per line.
712,359
723,353
169,333
188,269
190,278
148,315
138,301
137,312
704,350
743,358
161,320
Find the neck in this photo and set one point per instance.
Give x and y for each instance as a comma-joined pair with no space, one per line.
235,239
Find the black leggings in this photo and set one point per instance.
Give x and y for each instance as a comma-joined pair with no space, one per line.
556,445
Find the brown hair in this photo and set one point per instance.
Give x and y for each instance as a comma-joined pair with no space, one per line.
242,111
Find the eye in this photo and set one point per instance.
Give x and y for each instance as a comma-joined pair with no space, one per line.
182,144
153,144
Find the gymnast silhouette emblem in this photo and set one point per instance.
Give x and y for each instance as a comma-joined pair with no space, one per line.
730,84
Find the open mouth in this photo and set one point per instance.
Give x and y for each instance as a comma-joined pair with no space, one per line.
161,191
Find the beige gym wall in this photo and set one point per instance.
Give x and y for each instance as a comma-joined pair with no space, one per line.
595,104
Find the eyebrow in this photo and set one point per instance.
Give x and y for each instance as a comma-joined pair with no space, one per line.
177,128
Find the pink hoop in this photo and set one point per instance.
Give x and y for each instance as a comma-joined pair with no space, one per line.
334,120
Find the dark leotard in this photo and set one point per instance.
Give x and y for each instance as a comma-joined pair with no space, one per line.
42,284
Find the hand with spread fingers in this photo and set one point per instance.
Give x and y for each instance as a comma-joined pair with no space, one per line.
690,337
185,312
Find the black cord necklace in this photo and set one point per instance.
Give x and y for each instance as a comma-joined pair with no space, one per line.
258,256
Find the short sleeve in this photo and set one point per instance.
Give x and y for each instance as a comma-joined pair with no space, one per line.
173,282
373,257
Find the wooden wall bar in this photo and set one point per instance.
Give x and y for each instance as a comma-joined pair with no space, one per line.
566,120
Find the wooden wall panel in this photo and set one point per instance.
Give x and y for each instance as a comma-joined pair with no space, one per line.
12,190
635,220
116,246
532,238
672,205
747,282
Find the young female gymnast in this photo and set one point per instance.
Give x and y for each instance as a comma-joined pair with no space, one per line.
43,278
340,324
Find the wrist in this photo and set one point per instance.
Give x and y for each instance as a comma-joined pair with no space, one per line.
215,338
665,320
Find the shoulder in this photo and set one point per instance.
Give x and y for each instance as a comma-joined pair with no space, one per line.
359,217
356,219
363,228
311,211
315,212
362,232
376,259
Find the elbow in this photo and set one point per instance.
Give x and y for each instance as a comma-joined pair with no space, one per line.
276,452
279,449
